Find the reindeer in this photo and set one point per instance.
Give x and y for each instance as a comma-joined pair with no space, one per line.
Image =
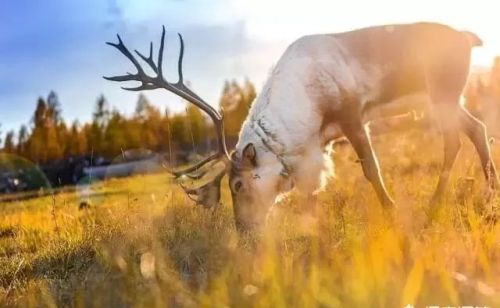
322,88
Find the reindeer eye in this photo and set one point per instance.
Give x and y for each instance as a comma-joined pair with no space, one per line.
237,185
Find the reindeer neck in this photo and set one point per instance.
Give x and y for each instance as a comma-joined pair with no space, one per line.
274,129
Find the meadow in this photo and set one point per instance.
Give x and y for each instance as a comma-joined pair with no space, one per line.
142,242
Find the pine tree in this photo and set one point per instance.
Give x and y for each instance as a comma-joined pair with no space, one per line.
53,150
54,107
115,135
36,144
95,133
178,131
101,113
196,125
249,92
9,146
40,113
62,137
164,134
235,102
77,141
43,144
94,136
52,126
152,128
22,140
146,119
141,106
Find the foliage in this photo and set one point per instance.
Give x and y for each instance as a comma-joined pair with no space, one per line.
9,146
49,138
235,103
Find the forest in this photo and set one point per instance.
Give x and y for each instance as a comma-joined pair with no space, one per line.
49,138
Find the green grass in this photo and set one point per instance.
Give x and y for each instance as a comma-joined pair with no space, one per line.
143,243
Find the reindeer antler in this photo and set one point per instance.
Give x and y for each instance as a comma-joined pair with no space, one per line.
209,193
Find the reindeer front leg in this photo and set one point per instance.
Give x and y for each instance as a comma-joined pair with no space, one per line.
357,134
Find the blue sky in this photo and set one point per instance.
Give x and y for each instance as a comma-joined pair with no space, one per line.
59,44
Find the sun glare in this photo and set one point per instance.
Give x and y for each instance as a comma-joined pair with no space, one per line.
287,20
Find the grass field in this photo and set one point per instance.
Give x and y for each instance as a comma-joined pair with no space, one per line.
142,243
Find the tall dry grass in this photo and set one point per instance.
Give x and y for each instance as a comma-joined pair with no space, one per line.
142,243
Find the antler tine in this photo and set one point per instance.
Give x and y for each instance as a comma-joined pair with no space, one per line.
124,50
196,166
149,60
180,82
160,54
181,58
197,176
207,194
144,86
128,77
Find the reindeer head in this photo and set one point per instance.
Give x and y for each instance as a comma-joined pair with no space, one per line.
254,185
256,178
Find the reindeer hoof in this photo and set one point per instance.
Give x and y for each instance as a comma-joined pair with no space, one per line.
489,194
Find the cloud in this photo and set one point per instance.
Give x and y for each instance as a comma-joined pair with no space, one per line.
115,16
60,46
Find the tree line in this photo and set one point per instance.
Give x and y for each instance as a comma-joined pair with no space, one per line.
48,137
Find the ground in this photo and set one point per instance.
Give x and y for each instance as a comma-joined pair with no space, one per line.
141,242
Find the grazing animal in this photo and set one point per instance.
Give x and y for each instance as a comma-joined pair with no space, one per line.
322,88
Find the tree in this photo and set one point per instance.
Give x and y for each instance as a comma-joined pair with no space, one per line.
40,113
152,128
147,119
53,149
101,112
95,133
142,106
95,137
53,129
22,140
62,137
178,130
164,133
77,141
36,144
43,144
9,146
54,107
196,125
236,101
249,92
116,135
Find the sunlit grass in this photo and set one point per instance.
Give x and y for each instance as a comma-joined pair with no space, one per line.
143,243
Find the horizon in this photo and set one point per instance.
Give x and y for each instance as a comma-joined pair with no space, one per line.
224,41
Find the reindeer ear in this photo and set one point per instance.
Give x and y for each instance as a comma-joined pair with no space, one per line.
249,156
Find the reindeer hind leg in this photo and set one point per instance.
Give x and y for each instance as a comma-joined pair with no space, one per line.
451,142
476,131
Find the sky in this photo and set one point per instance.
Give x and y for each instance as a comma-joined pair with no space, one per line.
59,44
